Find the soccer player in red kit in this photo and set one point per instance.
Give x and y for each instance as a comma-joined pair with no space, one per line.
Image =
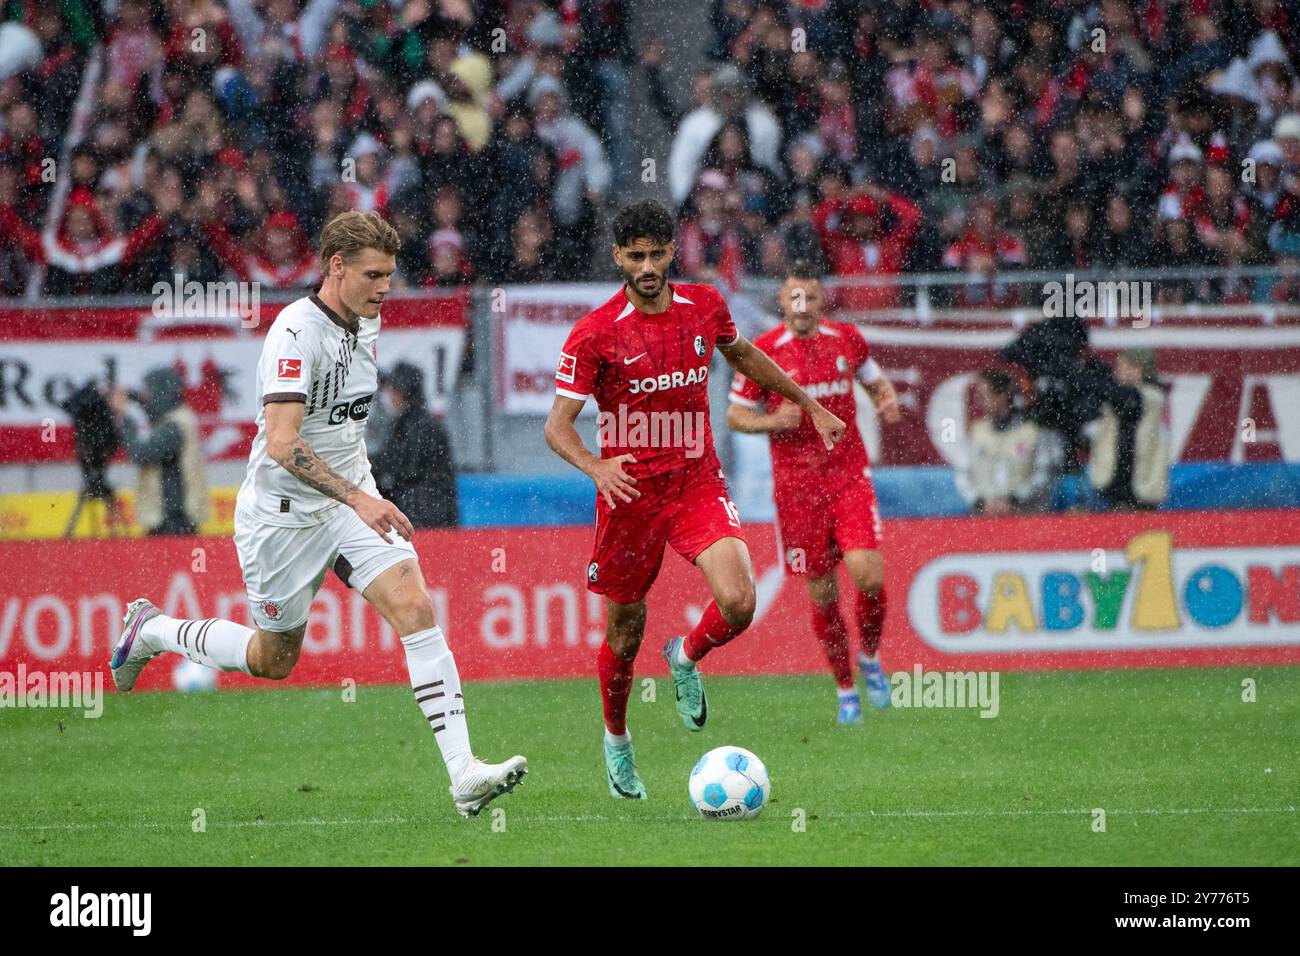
644,357
825,505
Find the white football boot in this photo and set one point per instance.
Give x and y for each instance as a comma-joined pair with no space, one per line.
130,654
480,783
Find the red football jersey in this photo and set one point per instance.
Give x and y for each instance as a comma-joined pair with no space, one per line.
649,375
824,366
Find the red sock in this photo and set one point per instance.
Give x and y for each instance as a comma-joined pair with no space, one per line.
615,687
871,619
829,627
712,631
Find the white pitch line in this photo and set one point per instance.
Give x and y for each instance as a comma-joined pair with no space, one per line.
233,824
941,814
1155,811
599,818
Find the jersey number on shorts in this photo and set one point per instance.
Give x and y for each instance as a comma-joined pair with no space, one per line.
732,514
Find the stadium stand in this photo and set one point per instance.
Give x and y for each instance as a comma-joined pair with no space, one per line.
1129,125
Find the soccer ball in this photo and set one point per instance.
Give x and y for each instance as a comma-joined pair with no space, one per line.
729,783
191,675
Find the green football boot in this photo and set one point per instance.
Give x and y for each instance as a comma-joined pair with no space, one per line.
620,768
692,704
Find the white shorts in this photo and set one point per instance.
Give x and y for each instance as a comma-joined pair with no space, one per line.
284,567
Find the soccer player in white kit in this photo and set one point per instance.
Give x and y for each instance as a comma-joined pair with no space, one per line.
308,504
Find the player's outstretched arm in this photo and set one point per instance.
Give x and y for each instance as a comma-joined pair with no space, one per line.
750,421
757,366
885,399
564,440
290,451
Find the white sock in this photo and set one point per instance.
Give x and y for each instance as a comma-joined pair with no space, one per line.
221,645
618,740
679,655
846,692
870,658
436,684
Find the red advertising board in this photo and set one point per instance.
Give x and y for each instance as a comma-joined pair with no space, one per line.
1218,377
47,352
1152,590
1220,371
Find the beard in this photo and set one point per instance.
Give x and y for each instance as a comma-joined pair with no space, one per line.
648,286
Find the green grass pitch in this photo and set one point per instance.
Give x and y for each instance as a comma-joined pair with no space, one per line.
1186,772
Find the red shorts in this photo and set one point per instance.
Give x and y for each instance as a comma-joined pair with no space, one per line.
818,527
688,511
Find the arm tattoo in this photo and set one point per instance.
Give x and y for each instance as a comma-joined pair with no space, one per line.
308,467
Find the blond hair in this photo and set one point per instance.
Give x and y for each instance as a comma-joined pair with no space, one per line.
349,233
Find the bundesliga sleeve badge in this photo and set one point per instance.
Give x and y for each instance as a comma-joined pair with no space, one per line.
567,367
288,368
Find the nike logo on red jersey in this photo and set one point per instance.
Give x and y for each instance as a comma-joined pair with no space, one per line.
629,361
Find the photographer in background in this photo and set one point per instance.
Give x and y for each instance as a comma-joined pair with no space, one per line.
1008,467
96,437
413,467
1129,466
1071,383
172,488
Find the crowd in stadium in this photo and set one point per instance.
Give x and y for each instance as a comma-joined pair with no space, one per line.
214,138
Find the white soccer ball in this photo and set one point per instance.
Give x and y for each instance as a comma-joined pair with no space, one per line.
191,675
729,783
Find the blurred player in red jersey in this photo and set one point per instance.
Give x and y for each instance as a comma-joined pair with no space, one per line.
644,357
825,506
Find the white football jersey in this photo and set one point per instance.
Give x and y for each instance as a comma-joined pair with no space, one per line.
311,357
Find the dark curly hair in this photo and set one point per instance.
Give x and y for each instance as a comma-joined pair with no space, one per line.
646,219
